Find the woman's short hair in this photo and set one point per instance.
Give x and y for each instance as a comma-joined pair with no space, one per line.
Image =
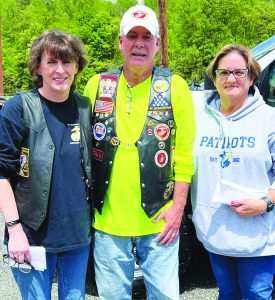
59,44
252,65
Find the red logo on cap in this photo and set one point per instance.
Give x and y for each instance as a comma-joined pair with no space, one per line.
139,14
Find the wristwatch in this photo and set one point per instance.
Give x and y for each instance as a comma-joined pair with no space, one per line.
269,203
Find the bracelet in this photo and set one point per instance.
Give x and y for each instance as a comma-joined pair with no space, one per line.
11,223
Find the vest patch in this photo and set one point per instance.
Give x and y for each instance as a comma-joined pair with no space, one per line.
104,106
97,154
115,141
150,131
161,86
75,136
107,87
24,163
162,132
161,158
99,131
169,189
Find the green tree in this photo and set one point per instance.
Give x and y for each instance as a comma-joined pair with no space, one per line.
197,29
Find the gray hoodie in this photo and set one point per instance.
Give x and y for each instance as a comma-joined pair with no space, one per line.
239,148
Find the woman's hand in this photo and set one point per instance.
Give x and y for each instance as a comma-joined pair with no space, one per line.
18,245
248,207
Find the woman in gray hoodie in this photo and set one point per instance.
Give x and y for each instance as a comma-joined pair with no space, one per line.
233,189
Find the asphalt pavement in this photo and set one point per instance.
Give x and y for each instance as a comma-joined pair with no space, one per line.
197,283
198,286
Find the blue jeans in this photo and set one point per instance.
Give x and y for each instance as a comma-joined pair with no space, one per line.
248,278
70,267
115,261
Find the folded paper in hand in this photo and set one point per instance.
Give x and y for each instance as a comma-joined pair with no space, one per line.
38,258
227,191
38,255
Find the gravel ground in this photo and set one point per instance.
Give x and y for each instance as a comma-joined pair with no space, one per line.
198,282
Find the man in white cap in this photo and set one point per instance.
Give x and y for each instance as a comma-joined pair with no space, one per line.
143,132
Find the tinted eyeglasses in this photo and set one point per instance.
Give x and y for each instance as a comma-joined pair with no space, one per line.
24,267
238,73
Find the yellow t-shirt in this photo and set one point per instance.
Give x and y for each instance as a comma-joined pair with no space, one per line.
122,213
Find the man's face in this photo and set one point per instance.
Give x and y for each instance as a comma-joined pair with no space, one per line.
139,48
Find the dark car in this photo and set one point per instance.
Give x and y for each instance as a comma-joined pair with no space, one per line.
2,101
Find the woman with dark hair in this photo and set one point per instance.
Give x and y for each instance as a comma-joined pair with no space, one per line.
45,171
233,189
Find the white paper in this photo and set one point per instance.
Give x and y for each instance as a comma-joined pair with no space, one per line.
38,258
227,191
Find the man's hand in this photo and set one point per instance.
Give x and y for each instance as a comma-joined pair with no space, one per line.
18,245
172,217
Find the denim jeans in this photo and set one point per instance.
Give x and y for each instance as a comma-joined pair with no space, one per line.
115,261
71,272
248,278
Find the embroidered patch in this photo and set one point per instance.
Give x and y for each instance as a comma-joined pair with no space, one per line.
99,131
159,102
104,107
75,136
107,87
24,163
169,190
161,86
161,158
97,154
162,132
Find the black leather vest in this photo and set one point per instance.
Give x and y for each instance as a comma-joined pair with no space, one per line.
155,145
32,185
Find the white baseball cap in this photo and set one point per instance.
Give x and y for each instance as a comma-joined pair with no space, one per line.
139,15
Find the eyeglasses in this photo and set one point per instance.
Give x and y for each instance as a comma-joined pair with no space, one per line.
24,267
238,73
128,103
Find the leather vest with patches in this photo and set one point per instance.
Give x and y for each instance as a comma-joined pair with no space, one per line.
156,144
32,185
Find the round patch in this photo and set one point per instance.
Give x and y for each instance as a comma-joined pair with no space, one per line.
99,131
162,132
161,158
150,131
161,86
115,141
161,145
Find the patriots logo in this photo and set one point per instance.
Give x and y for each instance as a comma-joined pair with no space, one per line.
225,159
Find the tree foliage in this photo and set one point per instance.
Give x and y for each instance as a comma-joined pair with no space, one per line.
196,30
